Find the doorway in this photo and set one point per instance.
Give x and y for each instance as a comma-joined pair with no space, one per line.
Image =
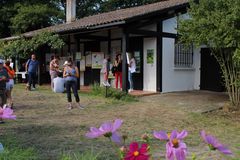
211,75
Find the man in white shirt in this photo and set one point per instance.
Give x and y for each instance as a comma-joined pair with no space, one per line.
131,70
58,84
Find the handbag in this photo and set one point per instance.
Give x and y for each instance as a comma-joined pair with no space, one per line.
114,69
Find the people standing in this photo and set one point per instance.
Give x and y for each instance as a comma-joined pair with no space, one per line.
131,70
10,83
32,68
54,69
118,73
71,73
3,79
105,70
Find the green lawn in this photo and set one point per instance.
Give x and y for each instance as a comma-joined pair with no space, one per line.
45,129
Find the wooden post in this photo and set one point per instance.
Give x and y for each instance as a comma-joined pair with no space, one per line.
159,57
125,37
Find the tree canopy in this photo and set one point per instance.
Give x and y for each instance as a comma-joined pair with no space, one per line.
216,24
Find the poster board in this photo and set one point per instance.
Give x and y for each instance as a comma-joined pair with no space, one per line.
97,60
88,59
78,56
82,64
150,56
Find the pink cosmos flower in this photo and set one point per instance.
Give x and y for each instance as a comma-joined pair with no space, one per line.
214,144
6,113
107,129
175,147
136,153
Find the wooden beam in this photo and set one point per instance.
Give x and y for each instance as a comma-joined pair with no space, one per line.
144,32
125,41
159,57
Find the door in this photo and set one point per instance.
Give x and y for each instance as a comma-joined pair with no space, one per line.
91,76
136,47
211,75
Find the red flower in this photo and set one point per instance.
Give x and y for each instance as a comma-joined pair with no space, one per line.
136,153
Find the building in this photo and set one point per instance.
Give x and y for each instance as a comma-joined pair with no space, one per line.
150,32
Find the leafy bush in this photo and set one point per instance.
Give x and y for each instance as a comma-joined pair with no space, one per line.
97,90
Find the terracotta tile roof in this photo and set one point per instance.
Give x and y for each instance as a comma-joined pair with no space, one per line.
112,18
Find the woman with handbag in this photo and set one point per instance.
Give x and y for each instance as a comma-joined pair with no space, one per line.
118,73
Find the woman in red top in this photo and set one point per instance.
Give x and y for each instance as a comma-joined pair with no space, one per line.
10,83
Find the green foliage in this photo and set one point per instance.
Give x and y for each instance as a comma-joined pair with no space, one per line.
34,17
23,46
17,16
18,154
213,23
111,93
12,150
217,25
81,156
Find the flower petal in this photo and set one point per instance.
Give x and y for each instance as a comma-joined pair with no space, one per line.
180,154
106,127
116,137
174,134
203,135
182,135
133,147
169,151
224,150
143,149
8,114
94,133
117,123
162,135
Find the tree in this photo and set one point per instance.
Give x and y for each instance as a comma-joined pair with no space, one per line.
17,16
217,25
23,46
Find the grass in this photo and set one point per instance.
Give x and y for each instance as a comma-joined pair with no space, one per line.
46,130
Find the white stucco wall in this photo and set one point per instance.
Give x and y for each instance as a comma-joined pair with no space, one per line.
170,25
149,70
178,79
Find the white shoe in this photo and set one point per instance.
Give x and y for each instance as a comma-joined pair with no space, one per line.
104,84
108,84
33,88
80,106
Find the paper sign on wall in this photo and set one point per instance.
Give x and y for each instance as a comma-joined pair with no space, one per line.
97,59
88,59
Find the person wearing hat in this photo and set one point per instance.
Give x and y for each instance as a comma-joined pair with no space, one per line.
3,79
71,74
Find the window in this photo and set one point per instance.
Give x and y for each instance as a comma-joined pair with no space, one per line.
183,55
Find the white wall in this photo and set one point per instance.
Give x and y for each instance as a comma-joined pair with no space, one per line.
82,73
178,79
170,25
149,70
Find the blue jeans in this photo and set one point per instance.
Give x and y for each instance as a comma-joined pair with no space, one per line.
73,85
32,78
130,80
